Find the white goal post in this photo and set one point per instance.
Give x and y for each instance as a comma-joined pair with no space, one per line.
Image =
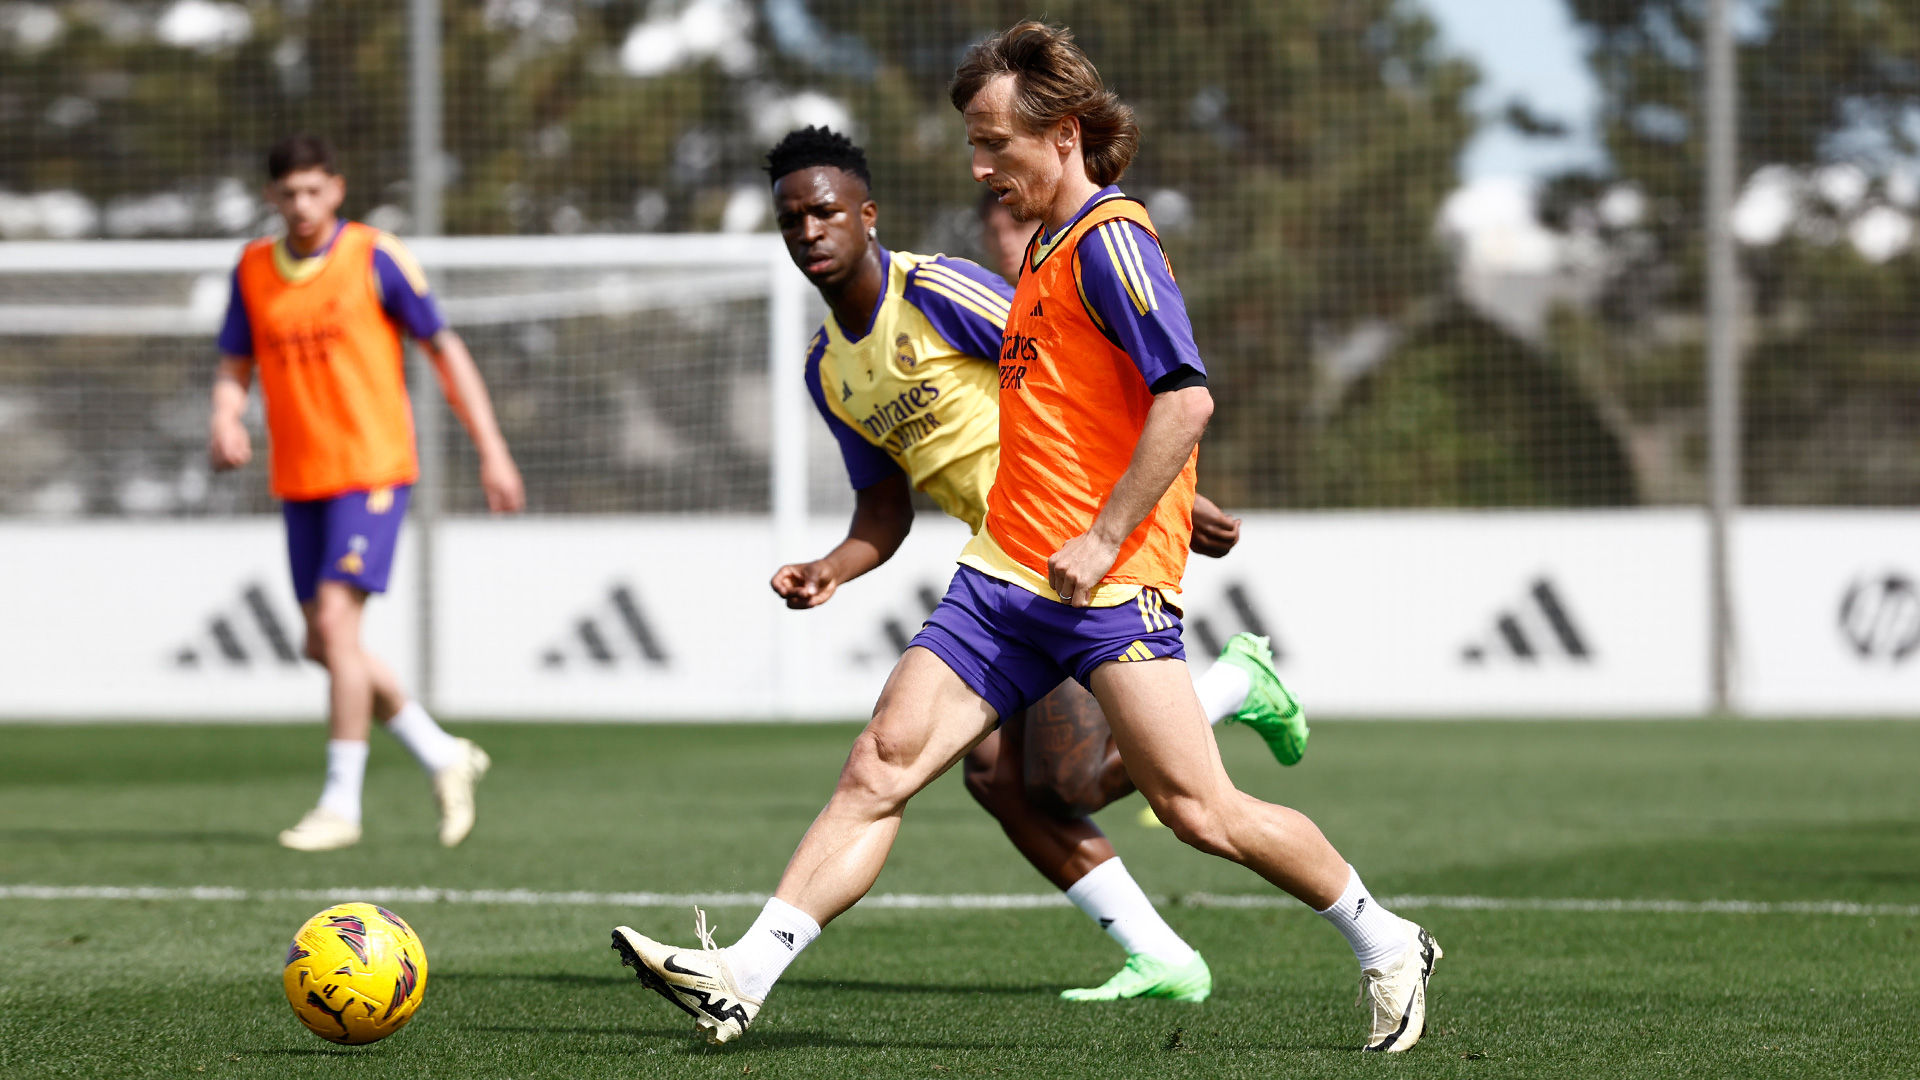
655,374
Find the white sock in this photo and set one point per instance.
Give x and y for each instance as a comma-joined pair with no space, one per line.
429,743
1223,688
1110,897
346,768
1375,933
762,954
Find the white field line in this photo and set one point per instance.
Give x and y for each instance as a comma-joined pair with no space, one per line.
931,901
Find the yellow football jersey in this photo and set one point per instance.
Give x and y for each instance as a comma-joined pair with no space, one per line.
919,390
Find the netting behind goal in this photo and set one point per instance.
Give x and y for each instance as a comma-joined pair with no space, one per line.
629,375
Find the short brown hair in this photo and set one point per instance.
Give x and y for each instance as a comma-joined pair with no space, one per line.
1053,80
297,153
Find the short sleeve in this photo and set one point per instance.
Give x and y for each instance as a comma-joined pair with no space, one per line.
966,303
236,331
404,293
1131,293
866,463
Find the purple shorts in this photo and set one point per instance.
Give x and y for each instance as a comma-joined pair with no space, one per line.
347,538
1013,647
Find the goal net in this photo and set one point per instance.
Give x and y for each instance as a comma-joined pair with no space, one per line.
632,374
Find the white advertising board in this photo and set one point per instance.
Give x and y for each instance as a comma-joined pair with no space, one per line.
1827,610
1372,614
189,620
661,618
1469,614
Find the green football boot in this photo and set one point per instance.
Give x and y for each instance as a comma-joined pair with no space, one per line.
1145,977
1269,708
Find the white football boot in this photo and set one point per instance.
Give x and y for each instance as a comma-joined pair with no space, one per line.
453,790
1397,994
321,830
696,980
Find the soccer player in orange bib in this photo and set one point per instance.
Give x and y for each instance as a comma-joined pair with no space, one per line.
319,313
1103,400
905,373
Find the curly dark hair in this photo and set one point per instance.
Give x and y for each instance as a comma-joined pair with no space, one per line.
810,147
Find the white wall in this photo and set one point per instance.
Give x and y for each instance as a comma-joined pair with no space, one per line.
1405,614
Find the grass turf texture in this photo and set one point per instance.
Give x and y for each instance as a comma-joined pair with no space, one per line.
1685,810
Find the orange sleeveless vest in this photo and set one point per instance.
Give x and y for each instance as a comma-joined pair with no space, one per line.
1072,407
332,372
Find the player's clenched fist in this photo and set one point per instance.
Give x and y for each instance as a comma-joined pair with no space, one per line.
229,446
1214,530
805,585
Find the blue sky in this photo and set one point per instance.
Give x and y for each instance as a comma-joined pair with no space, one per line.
1527,49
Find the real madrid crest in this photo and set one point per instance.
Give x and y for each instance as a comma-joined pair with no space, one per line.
903,352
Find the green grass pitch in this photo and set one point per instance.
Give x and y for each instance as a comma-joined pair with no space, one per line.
1771,813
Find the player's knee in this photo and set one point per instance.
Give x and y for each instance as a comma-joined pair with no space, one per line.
1196,823
328,632
874,774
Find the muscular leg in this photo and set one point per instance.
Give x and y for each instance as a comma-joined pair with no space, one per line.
333,640
1063,846
925,721
1160,730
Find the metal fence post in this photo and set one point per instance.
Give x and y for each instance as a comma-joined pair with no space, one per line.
1723,343
425,152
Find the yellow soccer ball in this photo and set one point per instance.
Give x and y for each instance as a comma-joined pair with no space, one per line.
355,973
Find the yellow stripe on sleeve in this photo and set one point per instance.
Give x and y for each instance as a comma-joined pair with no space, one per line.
409,266
1120,268
934,271
1139,265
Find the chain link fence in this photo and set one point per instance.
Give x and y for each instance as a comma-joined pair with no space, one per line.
1369,347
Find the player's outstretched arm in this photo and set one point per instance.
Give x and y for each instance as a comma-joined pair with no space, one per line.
1174,425
228,444
467,396
1214,530
882,515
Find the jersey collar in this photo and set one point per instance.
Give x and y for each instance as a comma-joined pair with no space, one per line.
1043,244
886,283
297,268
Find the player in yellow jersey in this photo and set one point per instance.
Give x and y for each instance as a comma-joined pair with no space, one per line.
904,372
1076,567
318,314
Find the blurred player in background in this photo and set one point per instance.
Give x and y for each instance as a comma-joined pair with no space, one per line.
319,313
1103,400
905,374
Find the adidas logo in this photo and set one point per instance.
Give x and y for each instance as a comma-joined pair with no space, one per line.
249,631
616,629
1036,313
1539,623
897,630
785,939
1106,921
1211,641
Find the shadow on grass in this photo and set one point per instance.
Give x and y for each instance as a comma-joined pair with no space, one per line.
875,987
131,836
697,1045
557,978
